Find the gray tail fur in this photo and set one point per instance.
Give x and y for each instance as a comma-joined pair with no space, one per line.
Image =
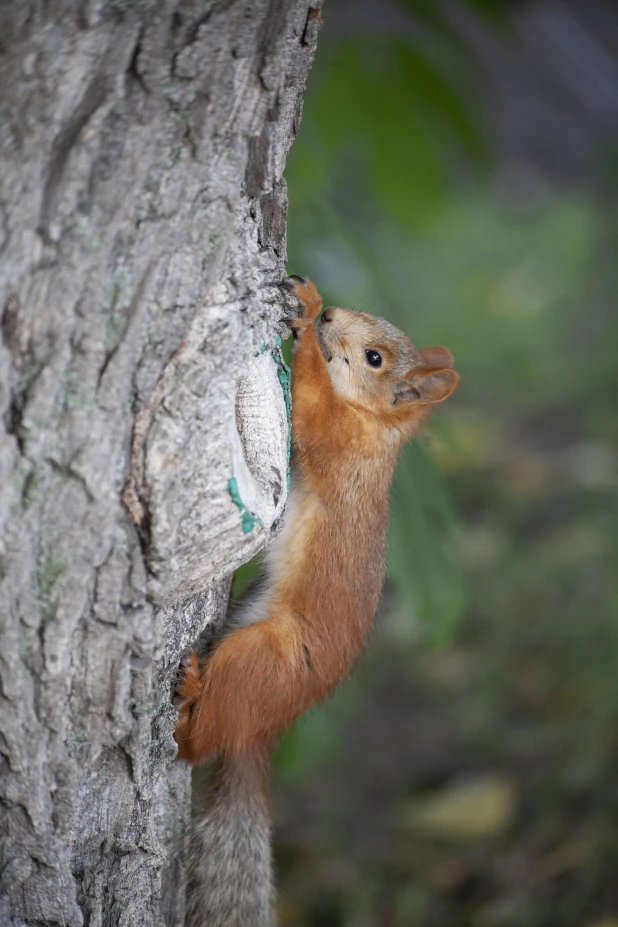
230,878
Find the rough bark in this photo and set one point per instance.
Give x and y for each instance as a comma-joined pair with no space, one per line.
144,438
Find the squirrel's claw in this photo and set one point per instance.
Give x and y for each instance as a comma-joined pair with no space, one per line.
291,283
305,290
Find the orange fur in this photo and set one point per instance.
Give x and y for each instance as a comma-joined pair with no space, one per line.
348,424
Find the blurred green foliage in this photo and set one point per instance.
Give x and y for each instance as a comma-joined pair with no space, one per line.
376,218
503,546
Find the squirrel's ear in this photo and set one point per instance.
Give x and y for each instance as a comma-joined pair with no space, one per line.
436,357
427,386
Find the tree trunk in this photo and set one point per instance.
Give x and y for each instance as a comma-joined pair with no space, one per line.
144,445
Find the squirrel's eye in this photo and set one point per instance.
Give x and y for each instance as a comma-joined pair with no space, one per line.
373,358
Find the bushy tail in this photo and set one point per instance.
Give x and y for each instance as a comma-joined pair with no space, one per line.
230,880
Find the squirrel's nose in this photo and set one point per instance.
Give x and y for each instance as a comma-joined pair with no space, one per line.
327,315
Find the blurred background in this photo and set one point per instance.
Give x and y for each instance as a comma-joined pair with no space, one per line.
457,172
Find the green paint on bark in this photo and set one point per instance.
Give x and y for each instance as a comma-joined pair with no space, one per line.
248,520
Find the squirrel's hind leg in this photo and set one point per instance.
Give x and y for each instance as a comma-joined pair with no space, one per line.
188,689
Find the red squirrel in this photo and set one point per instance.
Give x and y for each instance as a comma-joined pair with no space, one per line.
360,391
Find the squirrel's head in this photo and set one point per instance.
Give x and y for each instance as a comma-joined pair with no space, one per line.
375,366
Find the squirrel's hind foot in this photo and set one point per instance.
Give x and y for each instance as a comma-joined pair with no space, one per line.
188,681
187,692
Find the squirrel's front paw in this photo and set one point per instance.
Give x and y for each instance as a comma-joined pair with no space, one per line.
305,291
